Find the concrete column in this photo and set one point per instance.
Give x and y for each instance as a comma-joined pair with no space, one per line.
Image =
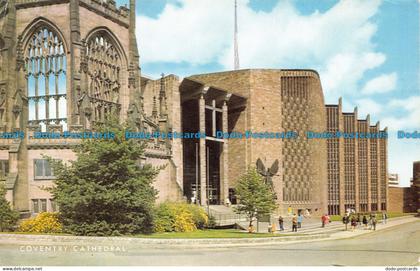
341,157
356,164
386,170
224,177
379,169
203,162
369,167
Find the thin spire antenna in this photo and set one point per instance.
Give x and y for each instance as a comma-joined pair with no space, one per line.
236,46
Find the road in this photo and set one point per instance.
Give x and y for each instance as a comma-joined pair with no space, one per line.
399,245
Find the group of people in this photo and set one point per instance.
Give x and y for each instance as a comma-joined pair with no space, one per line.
369,221
297,219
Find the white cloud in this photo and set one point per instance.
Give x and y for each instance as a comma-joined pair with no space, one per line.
381,84
338,42
193,32
410,111
368,106
343,71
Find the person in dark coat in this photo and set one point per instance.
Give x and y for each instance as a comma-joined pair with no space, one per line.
346,220
353,223
281,221
365,222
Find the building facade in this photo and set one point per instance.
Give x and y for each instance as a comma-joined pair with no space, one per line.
65,65
357,167
416,184
406,199
259,101
393,180
401,200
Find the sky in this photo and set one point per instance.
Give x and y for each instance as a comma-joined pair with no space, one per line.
366,52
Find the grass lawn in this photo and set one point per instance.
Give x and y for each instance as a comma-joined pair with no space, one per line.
336,217
201,234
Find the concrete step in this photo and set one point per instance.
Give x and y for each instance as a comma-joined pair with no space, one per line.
225,216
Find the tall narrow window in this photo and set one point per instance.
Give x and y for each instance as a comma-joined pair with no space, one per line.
4,168
104,62
46,79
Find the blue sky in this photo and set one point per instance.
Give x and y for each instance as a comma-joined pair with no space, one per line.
365,51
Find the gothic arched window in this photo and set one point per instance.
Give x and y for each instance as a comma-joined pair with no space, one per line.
104,80
45,60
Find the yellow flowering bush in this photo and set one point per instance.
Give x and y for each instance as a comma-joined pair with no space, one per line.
200,217
179,217
184,222
42,223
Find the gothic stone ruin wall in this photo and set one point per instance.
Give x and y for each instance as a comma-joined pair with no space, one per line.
78,60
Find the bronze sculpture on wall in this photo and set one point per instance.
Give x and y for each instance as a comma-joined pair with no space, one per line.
269,172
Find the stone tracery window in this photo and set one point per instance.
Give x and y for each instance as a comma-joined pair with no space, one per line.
104,67
45,61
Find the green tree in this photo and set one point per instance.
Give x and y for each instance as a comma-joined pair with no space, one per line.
8,217
105,191
256,198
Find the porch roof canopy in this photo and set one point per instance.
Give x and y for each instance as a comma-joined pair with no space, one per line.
192,90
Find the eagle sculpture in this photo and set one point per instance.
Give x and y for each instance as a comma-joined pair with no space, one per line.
269,172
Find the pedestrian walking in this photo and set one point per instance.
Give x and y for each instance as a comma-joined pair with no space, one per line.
272,228
299,221
353,223
365,222
359,221
294,223
281,221
325,219
370,222
346,221
384,217
374,221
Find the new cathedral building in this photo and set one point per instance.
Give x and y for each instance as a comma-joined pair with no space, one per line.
65,65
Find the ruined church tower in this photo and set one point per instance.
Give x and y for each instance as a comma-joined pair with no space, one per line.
66,65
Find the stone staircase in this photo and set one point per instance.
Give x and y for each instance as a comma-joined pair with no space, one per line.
225,216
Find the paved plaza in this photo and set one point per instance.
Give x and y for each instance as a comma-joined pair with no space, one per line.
393,244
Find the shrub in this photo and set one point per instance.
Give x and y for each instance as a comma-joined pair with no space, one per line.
199,216
105,191
8,217
184,222
42,223
164,218
179,217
